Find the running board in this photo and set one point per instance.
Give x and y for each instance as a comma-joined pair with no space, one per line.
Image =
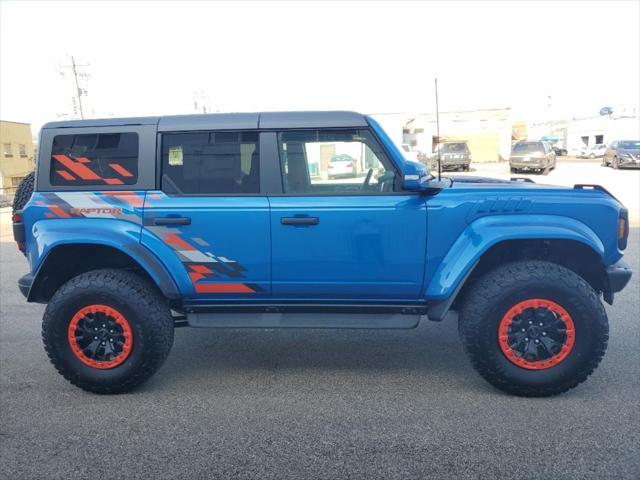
303,320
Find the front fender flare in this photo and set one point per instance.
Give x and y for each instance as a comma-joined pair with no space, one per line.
482,234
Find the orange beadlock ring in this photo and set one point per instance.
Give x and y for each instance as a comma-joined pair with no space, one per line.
119,320
507,320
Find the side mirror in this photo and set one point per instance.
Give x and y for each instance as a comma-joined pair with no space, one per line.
415,177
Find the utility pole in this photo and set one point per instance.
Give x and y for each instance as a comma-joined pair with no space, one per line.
78,92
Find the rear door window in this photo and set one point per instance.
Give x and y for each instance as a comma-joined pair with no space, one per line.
211,163
94,159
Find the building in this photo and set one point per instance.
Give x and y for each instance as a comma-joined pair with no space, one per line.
486,131
17,157
583,132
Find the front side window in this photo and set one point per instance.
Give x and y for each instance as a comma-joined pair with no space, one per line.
94,159
6,149
22,150
211,163
334,162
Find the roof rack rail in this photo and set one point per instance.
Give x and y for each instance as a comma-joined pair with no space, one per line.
593,186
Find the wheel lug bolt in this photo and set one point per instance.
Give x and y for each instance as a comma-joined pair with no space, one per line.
95,338
523,330
95,328
104,343
537,341
526,339
540,324
530,322
544,333
104,326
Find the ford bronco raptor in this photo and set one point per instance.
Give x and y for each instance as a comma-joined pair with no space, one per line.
134,226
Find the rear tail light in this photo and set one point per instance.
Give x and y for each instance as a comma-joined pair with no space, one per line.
623,229
18,230
330,166
349,165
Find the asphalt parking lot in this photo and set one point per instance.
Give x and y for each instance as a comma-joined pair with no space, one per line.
317,403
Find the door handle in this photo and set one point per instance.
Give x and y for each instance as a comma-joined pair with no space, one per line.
172,221
299,221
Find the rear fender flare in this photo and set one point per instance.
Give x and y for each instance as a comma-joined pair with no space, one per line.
120,235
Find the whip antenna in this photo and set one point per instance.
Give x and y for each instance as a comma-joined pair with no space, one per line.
438,134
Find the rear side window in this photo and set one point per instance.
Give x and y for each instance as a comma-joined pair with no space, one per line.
94,159
211,163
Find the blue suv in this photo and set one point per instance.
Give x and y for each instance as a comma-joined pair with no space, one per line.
135,226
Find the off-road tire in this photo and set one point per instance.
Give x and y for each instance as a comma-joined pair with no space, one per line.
145,310
492,295
23,192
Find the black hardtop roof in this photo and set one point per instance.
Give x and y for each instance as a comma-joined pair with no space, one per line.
228,121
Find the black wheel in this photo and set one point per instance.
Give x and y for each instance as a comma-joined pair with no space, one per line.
107,331
533,328
545,170
615,164
513,170
23,192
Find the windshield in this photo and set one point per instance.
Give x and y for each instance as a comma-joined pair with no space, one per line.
454,148
528,147
630,144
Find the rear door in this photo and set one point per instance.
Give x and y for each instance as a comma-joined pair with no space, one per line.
209,222
356,238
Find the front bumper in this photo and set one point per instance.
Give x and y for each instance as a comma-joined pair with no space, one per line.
624,162
618,275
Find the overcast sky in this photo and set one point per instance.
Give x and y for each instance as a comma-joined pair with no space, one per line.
148,58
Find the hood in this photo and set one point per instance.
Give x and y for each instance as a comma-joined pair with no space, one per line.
478,179
488,182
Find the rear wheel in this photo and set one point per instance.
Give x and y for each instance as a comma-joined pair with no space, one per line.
107,331
533,328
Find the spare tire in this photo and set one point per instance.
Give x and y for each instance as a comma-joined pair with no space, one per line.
23,192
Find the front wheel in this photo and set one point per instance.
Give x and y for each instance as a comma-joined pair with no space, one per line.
107,331
533,328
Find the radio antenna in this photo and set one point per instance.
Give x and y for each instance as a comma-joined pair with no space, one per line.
438,134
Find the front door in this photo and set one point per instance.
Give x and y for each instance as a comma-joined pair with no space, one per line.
356,238
210,222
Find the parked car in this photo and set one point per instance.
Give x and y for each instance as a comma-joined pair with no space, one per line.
622,154
557,145
454,155
532,156
132,227
342,166
594,151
